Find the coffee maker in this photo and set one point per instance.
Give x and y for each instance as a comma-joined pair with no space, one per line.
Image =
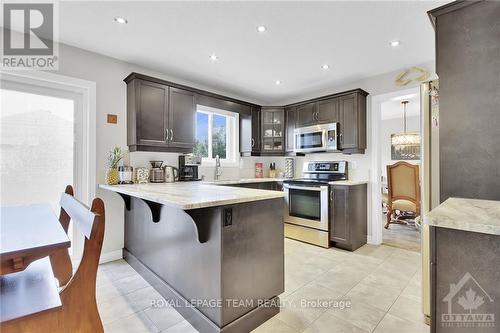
188,167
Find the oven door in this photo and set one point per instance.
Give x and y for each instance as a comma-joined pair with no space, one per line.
306,206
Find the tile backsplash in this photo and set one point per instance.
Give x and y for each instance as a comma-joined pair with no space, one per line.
359,165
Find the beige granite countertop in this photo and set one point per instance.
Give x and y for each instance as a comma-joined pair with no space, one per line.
192,195
466,214
349,182
243,181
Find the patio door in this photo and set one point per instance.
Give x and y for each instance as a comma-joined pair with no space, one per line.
42,143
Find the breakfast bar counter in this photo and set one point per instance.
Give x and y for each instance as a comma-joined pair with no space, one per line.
216,253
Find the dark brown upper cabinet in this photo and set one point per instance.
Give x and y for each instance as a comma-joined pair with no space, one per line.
147,116
352,118
272,130
181,118
159,117
328,111
250,132
306,115
256,140
346,108
291,121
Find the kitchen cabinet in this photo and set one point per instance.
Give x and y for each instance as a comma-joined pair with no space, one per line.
272,130
328,111
306,114
346,108
348,216
270,186
255,141
151,112
291,120
250,132
181,118
352,118
161,115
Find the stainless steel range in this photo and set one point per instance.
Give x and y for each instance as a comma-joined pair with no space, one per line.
308,201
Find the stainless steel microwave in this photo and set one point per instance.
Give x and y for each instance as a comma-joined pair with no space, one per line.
316,138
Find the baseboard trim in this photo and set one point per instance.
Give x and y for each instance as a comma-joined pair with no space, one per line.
110,256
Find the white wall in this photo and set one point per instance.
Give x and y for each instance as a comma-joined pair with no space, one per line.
108,73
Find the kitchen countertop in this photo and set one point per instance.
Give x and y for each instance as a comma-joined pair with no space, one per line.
348,182
243,181
192,195
466,214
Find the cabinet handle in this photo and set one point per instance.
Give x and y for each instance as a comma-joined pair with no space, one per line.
166,135
331,195
341,139
171,135
253,142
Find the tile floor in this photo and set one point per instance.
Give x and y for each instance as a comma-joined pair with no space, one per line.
381,282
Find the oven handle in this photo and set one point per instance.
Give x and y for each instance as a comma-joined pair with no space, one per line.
307,188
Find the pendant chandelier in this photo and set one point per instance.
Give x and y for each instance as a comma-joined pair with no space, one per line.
406,145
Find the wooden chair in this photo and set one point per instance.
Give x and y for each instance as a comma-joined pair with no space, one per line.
78,312
60,260
403,190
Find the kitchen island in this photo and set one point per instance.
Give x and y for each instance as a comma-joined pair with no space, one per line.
215,253
464,265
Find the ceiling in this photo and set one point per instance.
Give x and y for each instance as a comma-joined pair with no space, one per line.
393,109
177,38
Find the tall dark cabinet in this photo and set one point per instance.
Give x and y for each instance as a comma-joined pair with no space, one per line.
468,66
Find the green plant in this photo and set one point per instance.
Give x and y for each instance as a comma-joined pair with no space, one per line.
114,156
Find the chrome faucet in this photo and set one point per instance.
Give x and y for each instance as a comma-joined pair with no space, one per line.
218,170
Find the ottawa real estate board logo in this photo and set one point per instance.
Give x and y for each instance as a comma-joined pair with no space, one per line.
468,305
29,36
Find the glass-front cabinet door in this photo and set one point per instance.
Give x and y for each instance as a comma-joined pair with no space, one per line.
273,121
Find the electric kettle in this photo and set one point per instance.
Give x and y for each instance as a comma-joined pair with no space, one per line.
171,174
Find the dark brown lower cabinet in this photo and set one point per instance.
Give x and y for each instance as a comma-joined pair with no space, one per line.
465,281
348,216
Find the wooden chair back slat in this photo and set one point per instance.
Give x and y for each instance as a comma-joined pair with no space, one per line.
79,311
81,216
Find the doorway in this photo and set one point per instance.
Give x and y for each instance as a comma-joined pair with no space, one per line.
399,121
47,140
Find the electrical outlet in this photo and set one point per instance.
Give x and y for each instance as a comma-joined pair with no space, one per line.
228,216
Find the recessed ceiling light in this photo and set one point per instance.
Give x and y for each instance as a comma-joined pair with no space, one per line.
325,67
278,82
261,28
213,57
395,43
121,20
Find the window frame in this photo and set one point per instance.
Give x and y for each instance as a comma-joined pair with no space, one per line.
232,136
